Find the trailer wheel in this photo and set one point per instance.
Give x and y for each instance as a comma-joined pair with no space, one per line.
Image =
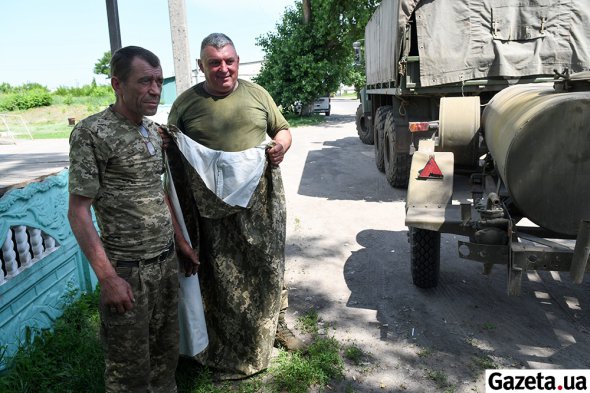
379,135
396,163
425,257
362,127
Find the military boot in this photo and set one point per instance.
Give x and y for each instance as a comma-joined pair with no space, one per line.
285,337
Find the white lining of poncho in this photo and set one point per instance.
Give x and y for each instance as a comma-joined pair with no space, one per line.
232,176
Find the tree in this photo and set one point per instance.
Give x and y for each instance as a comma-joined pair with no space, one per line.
311,53
103,65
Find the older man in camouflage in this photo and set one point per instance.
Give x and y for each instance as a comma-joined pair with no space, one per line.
116,167
242,246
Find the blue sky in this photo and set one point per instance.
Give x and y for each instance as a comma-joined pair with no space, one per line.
57,42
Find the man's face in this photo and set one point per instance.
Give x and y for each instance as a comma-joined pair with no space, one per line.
140,95
220,67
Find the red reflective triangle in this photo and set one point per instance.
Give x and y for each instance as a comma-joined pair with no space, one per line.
430,171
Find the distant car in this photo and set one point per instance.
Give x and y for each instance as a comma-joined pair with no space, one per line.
322,105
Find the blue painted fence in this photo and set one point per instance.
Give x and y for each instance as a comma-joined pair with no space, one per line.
41,260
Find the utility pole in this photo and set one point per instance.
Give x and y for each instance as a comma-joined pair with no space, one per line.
114,29
180,45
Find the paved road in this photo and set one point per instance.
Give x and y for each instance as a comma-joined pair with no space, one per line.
26,160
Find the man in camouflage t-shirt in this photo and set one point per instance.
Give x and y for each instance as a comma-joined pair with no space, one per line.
242,250
116,166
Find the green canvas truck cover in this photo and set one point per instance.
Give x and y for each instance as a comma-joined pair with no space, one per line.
460,40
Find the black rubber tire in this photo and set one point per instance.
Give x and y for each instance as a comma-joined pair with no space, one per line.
425,257
362,127
378,135
396,163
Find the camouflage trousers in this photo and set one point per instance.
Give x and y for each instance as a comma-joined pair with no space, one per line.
141,346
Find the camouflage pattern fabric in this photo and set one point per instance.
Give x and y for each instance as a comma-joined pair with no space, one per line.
141,345
242,267
110,162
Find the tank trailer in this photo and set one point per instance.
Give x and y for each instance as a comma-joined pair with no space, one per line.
491,91
527,199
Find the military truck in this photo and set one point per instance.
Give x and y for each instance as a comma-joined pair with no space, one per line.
417,51
482,109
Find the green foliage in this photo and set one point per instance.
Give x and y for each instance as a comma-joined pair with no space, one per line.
91,90
305,61
25,100
27,87
354,354
5,88
103,65
26,96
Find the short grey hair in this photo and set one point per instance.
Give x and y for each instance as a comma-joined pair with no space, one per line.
216,40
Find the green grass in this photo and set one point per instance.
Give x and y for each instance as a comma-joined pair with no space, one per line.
295,373
354,354
52,121
70,359
308,323
483,362
441,380
50,131
488,326
300,121
424,352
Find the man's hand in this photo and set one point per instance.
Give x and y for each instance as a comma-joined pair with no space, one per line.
276,153
188,257
164,134
116,294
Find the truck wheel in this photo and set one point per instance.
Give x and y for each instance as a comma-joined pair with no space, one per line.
379,135
397,163
363,129
425,257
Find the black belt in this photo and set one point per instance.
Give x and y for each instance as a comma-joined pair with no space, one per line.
158,258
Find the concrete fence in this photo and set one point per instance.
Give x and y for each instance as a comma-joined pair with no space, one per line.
42,264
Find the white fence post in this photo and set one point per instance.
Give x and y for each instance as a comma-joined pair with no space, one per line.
9,256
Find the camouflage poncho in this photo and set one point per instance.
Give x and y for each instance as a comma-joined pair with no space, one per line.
242,266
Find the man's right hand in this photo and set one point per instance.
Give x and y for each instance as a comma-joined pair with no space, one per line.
116,294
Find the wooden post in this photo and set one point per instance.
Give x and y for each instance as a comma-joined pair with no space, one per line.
180,45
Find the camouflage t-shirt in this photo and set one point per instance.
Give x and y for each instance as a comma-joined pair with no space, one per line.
111,162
